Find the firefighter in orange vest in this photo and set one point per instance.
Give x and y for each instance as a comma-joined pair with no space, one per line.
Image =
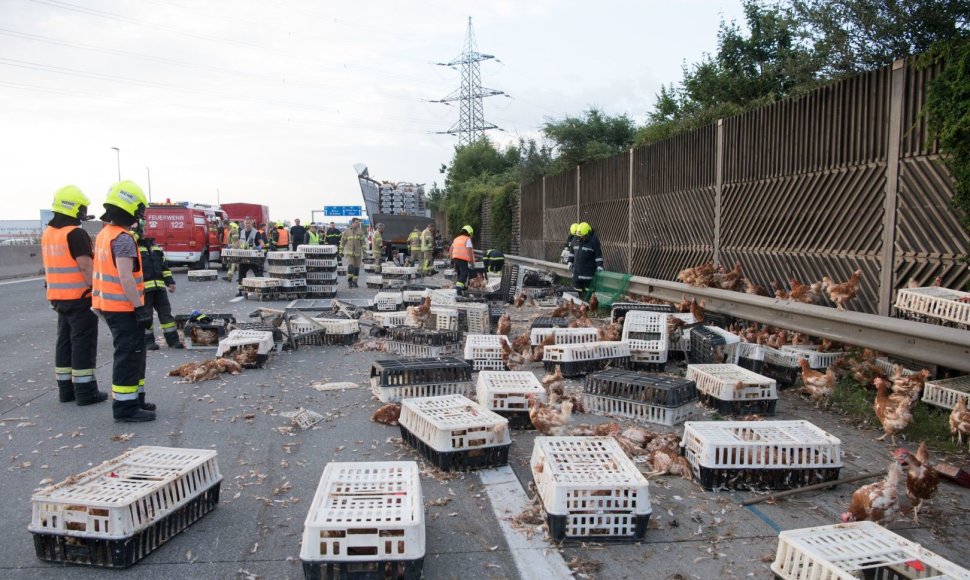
118,292
279,238
463,257
68,264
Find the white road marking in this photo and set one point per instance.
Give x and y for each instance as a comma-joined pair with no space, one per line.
238,298
34,279
534,558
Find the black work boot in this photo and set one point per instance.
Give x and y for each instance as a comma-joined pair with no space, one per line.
88,394
129,412
172,339
65,391
145,405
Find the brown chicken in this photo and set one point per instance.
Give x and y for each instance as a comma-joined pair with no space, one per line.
697,309
893,412
520,299
594,303
611,332
698,276
876,502
798,290
539,351
780,292
203,336
730,280
842,293
512,359
555,384
683,306
420,315
752,288
817,385
814,294
663,461
504,325
909,386
548,420
387,415
206,370
960,420
478,282
522,343
922,480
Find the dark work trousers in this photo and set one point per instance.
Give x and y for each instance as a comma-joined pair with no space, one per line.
158,299
581,284
76,350
462,271
245,268
128,372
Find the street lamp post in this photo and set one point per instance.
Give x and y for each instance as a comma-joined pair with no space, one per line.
149,171
118,151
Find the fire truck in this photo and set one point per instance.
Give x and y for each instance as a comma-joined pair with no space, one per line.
190,233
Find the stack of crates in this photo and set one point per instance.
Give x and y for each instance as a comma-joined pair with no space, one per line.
733,390
751,356
290,269
590,489
117,513
455,433
713,345
946,393
388,301
757,455
397,277
507,393
366,517
856,550
374,282
325,330
444,318
486,352
420,342
321,270
237,340
563,335
262,287
576,360
646,333
653,398
619,309
392,381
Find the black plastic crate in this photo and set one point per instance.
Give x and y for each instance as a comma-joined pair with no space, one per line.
510,281
324,339
621,308
744,407
421,371
517,419
494,313
219,328
550,322
704,343
717,319
464,460
125,552
557,530
784,375
756,479
579,368
423,336
373,570
753,365
182,319
320,295
416,287
260,327
652,389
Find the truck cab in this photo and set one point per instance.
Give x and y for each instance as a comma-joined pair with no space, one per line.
187,232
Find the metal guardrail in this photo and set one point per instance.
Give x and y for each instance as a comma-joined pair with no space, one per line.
944,346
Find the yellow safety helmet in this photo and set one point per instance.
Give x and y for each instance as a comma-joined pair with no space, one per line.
127,196
233,225
573,229
69,200
468,230
583,229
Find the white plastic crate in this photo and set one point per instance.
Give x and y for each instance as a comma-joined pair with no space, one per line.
397,393
946,392
260,282
759,445
389,319
476,316
398,270
731,382
889,367
294,285
313,288
315,262
730,347
444,296
645,325
263,340
413,296
508,390
125,495
321,277
323,249
563,335
374,282
444,318
939,303
422,350
648,351
385,301
329,326
856,550
279,256
638,411
241,253
590,488
366,512
370,267
484,347
271,269
565,353
202,275
751,351
682,345
816,360
453,423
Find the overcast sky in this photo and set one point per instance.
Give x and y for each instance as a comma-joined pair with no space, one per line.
273,101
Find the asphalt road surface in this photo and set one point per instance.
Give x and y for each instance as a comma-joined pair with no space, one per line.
270,475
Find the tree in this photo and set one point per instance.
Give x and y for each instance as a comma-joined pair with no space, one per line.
594,135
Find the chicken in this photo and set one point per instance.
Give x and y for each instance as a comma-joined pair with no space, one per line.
730,280
540,349
675,329
246,355
504,325
611,332
546,419
818,386
663,461
842,293
922,480
877,501
910,386
814,294
478,282
800,292
594,302
387,415
607,430
697,309
752,288
522,343
829,346
800,339
777,339
780,292
699,276
893,413
520,299
960,420
419,315
683,306
512,359
583,321
203,336
555,384
203,371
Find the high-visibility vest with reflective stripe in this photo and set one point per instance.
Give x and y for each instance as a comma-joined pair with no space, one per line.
376,242
225,236
64,278
414,241
427,241
108,294
313,238
282,237
460,249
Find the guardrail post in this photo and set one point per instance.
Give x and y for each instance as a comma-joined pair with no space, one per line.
897,87
578,218
629,220
718,187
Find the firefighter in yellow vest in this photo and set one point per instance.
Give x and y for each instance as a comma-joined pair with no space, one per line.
352,249
463,257
414,247
118,297
377,247
68,264
427,251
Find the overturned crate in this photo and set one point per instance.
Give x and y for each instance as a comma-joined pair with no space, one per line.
590,489
253,347
117,513
575,360
318,331
856,550
486,351
646,333
455,433
388,301
652,398
420,342
946,393
760,454
392,381
366,520
204,335
932,304
733,390
507,393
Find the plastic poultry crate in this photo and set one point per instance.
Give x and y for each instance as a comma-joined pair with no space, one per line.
563,335
411,349
390,319
399,271
485,347
259,326
413,296
590,489
425,337
713,345
952,306
751,356
656,389
237,339
315,277
393,283
644,412
781,365
579,359
321,264
366,520
507,393
816,360
947,392
203,275
240,256
856,550
760,454
731,389
281,258
443,296
888,366
374,282
321,290
259,282
645,325
325,331
369,266
394,380
115,514
284,270
213,332
444,318
474,317
455,433
621,308
387,301
317,250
